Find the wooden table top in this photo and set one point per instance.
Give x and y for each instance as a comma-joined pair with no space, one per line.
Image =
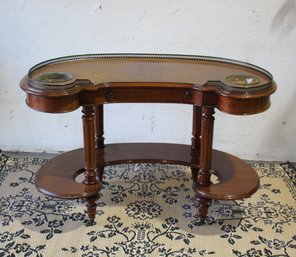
150,68
148,78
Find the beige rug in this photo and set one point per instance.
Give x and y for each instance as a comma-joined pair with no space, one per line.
146,210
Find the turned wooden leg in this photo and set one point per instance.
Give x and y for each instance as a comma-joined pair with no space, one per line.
90,173
91,207
207,128
206,143
99,134
203,205
196,134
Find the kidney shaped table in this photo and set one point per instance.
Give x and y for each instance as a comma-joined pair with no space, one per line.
90,81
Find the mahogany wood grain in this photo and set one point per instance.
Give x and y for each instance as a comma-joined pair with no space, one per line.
207,128
136,79
99,134
64,84
57,175
99,118
206,144
148,153
196,135
238,180
203,205
56,178
53,105
90,173
196,127
89,145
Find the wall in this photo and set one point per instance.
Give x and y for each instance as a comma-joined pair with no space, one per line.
258,31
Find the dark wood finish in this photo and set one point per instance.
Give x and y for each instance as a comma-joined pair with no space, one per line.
230,170
67,166
207,127
99,118
53,105
237,179
243,106
90,173
196,135
203,205
89,145
93,80
206,143
196,127
64,168
148,153
136,79
91,207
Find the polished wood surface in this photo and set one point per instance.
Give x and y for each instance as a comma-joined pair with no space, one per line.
99,135
236,179
206,144
196,135
67,166
90,81
90,173
146,69
101,79
223,165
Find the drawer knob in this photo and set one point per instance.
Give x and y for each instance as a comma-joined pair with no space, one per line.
109,95
188,95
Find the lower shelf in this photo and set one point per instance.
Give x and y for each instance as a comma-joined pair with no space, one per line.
57,177
237,179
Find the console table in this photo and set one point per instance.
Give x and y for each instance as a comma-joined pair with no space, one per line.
90,81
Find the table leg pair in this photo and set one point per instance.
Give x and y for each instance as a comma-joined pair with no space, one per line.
203,124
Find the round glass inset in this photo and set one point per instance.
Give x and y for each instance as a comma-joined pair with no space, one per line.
55,77
243,80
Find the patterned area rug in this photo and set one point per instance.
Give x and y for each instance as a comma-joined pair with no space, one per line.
146,210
